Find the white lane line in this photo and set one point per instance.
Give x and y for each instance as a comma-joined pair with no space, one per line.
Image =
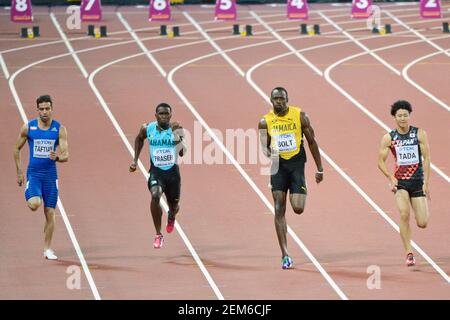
356,187
144,172
287,44
214,44
377,57
431,43
141,45
4,67
66,220
240,169
68,45
420,88
343,174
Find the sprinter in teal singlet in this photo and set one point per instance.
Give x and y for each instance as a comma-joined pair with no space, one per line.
44,135
166,144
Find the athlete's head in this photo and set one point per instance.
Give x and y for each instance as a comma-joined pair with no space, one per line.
163,113
400,110
279,99
45,107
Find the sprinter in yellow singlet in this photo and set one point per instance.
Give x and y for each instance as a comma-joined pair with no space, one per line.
281,133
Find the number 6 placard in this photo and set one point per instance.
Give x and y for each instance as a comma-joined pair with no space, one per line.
21,11
91,10
225,10
159,10
297,9
430,9
360,9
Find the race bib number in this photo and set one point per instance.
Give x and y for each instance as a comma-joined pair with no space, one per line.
163,157
407,155
285,142
43,147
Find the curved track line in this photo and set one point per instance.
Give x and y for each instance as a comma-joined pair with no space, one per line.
420,88
389,66
70,231
326,74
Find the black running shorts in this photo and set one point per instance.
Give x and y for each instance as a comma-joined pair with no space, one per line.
414,187
168,180
290,176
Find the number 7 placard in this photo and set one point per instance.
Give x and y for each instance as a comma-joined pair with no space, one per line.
430,9
21,11
360,9
297,9
225,10
91,10
159,10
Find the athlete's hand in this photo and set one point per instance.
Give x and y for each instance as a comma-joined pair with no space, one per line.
393,184
426,190
132,167
20,178
175,126
53,155
319,177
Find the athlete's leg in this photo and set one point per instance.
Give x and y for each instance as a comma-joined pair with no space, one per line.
34,203
420,207
49,227
402,202
298,201
155,207
279,198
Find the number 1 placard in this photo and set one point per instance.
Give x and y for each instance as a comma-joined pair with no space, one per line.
430,9
91,10
297,9
21,11
159,10
225,10
360,9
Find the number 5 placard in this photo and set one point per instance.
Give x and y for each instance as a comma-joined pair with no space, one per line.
91,10
360,9
159,10
430,9
297,9
225,10
21,11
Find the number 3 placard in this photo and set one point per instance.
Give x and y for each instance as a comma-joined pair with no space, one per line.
225,10
21,11
430,9
297,9
360,9
159,10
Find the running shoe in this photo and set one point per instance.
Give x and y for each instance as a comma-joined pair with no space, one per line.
287,262
49,254
410,261
159,240
170,225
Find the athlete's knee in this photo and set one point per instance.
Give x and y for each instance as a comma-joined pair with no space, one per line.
34,204
404,215
298,209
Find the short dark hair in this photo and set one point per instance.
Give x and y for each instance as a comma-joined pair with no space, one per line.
279,89
163,105
400,104
44,98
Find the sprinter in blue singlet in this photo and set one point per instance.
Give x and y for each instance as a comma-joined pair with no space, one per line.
166,144
44,135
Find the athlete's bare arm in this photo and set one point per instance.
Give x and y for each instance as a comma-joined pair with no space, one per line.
178,135
23,136
382,156
308,131
264,137
63,147
138,144
425,151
